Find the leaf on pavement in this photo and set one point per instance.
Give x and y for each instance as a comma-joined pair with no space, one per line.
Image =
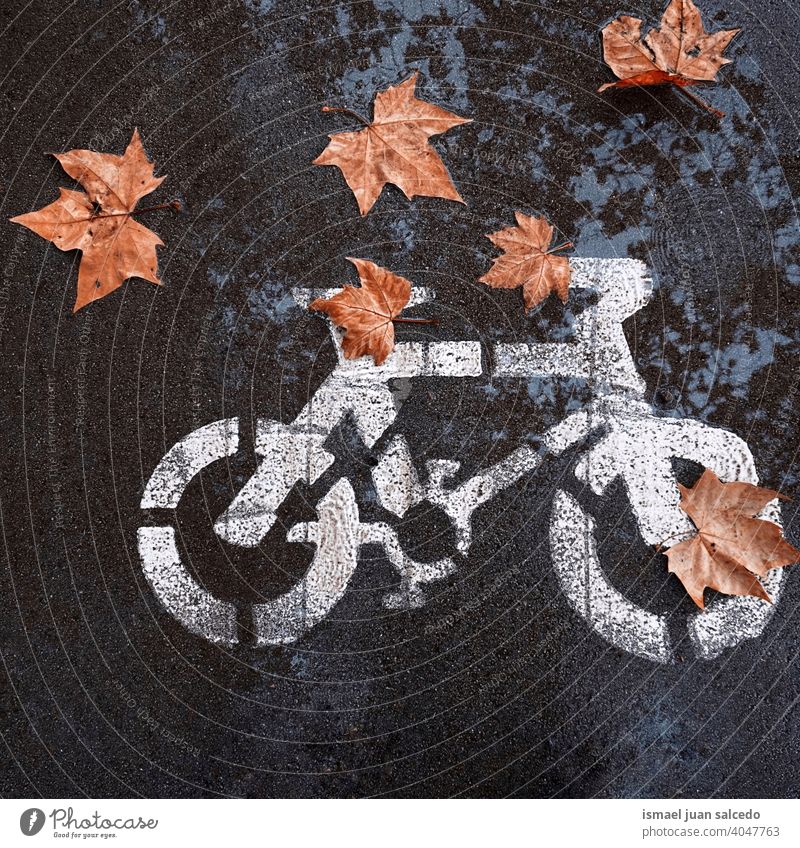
732,547
99,223
394,148
679,53
529,261
367,313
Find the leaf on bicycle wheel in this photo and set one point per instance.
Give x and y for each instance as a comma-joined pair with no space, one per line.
367,313
99,223
529,261
680,53
394,148
732,547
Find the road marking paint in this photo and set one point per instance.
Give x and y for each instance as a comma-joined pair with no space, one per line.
186,458
182,596
336,535
635,446
584,583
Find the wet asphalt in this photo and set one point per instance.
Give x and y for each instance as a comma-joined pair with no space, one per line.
495,687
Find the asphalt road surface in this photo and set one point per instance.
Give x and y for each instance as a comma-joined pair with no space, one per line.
495,686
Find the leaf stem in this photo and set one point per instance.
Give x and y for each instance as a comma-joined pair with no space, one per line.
698,101
173,204
347,112
432,321
661,544
567,244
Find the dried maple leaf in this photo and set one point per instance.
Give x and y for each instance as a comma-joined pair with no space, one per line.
99,223
732,546
679,53
394,148
529,261
368,314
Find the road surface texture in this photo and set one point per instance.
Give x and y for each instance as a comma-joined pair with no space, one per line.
496,686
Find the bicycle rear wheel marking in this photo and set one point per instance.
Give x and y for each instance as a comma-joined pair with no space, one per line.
186,458
184,598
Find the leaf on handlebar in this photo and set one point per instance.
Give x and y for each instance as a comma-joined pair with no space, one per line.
529,261
367,313
732,546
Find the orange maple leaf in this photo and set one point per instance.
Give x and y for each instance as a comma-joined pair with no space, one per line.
368,314
679,53
529,261
99,223
394,148
732,546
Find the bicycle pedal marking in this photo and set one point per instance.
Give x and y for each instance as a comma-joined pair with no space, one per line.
460,502
636,446
413,575
336,536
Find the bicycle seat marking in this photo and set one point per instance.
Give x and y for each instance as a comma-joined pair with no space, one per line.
636,446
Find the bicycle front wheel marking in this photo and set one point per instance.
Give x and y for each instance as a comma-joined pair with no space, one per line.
582,580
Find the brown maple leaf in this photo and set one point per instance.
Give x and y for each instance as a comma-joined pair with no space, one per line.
680,53
529,261
99,223
732,546
368,314
394,148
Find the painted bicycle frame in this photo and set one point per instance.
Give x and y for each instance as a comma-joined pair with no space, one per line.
636,446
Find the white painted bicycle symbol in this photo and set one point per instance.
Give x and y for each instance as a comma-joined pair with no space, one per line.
636,446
